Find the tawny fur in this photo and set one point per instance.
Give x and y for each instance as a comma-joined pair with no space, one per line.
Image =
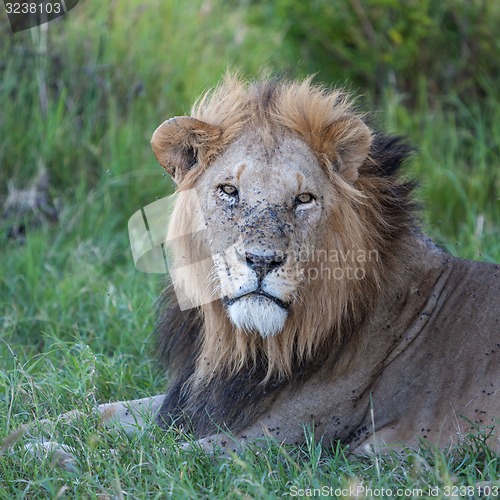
377,355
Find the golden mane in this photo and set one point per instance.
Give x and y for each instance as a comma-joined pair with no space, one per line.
368,211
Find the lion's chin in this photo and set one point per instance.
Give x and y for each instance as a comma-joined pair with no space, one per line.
254,313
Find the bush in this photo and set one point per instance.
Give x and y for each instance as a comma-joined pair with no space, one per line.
410,45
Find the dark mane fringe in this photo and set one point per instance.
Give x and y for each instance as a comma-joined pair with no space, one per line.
389,154
178,336
234,401
397,209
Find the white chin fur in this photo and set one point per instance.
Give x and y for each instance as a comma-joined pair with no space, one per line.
257,314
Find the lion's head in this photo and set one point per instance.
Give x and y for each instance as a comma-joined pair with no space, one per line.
287,216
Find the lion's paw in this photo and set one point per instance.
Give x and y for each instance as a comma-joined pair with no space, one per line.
60,455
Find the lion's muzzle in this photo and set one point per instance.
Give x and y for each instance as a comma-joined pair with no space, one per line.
255,305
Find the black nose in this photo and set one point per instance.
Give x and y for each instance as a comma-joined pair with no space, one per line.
265,262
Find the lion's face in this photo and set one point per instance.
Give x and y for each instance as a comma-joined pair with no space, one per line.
265,207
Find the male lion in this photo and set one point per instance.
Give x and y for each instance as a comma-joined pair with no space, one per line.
304,293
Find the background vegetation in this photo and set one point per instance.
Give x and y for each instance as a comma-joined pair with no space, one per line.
81,97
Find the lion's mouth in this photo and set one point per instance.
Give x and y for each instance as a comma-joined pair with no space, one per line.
260,293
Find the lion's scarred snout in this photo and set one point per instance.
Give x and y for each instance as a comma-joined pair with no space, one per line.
266,241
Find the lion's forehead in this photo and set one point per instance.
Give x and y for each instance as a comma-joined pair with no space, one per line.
269,166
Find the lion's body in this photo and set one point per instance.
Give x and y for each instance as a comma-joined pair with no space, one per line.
303,292
390,340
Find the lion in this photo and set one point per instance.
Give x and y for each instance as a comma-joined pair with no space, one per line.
303,292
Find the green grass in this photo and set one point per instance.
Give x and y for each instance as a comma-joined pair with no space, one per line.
76,317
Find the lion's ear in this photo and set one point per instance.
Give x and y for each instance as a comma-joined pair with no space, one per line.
180,143
350,140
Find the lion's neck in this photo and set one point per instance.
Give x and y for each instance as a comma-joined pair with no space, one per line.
407,301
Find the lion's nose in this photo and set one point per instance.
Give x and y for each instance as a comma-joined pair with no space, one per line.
265,262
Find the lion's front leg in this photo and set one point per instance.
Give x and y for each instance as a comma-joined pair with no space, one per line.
131,416
256,436
216,442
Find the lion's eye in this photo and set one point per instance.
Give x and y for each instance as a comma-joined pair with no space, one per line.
228,189
304,198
